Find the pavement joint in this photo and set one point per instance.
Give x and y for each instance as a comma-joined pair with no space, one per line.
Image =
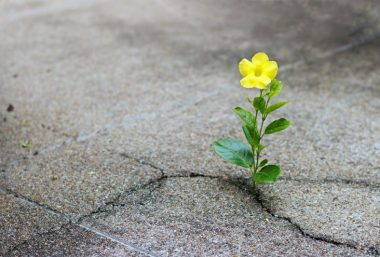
117,240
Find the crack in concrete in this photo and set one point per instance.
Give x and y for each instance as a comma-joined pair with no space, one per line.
33,202
240,182
104,208
327,180
143,162
367,248
360,183
115,203
109,206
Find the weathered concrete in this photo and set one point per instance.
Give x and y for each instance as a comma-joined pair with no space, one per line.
79,178
72,241
205,217
336,211
20,221
122,99
143,58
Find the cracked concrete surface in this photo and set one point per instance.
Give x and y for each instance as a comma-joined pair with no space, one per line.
203,217
122,99
318,207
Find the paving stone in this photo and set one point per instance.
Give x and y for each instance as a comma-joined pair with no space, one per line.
346,213
72,241
20,221
204,216
78,178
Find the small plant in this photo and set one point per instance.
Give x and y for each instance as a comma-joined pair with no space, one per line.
260,73
25,144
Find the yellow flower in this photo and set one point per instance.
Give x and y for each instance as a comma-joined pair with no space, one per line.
258,73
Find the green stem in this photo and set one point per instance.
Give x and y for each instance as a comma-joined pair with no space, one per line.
253,182
257,152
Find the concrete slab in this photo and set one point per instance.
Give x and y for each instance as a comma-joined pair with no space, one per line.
201,216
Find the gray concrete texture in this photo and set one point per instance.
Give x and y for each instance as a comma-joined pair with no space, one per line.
121,101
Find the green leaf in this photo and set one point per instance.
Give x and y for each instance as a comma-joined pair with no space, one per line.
267,174
275,88
245,115
277,126
274,107
234,152
259,104
263,162
252,135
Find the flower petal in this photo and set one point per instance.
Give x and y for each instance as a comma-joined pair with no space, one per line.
270,69
260,57
245,67
251,81
264,79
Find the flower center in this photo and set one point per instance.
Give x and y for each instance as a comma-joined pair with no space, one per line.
258,72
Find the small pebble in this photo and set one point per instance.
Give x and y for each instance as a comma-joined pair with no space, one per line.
10,108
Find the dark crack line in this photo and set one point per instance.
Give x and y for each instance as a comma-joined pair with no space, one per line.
116,201
361,183
110,205
244,186
369,249
102,209
237,182
143,162
35,203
